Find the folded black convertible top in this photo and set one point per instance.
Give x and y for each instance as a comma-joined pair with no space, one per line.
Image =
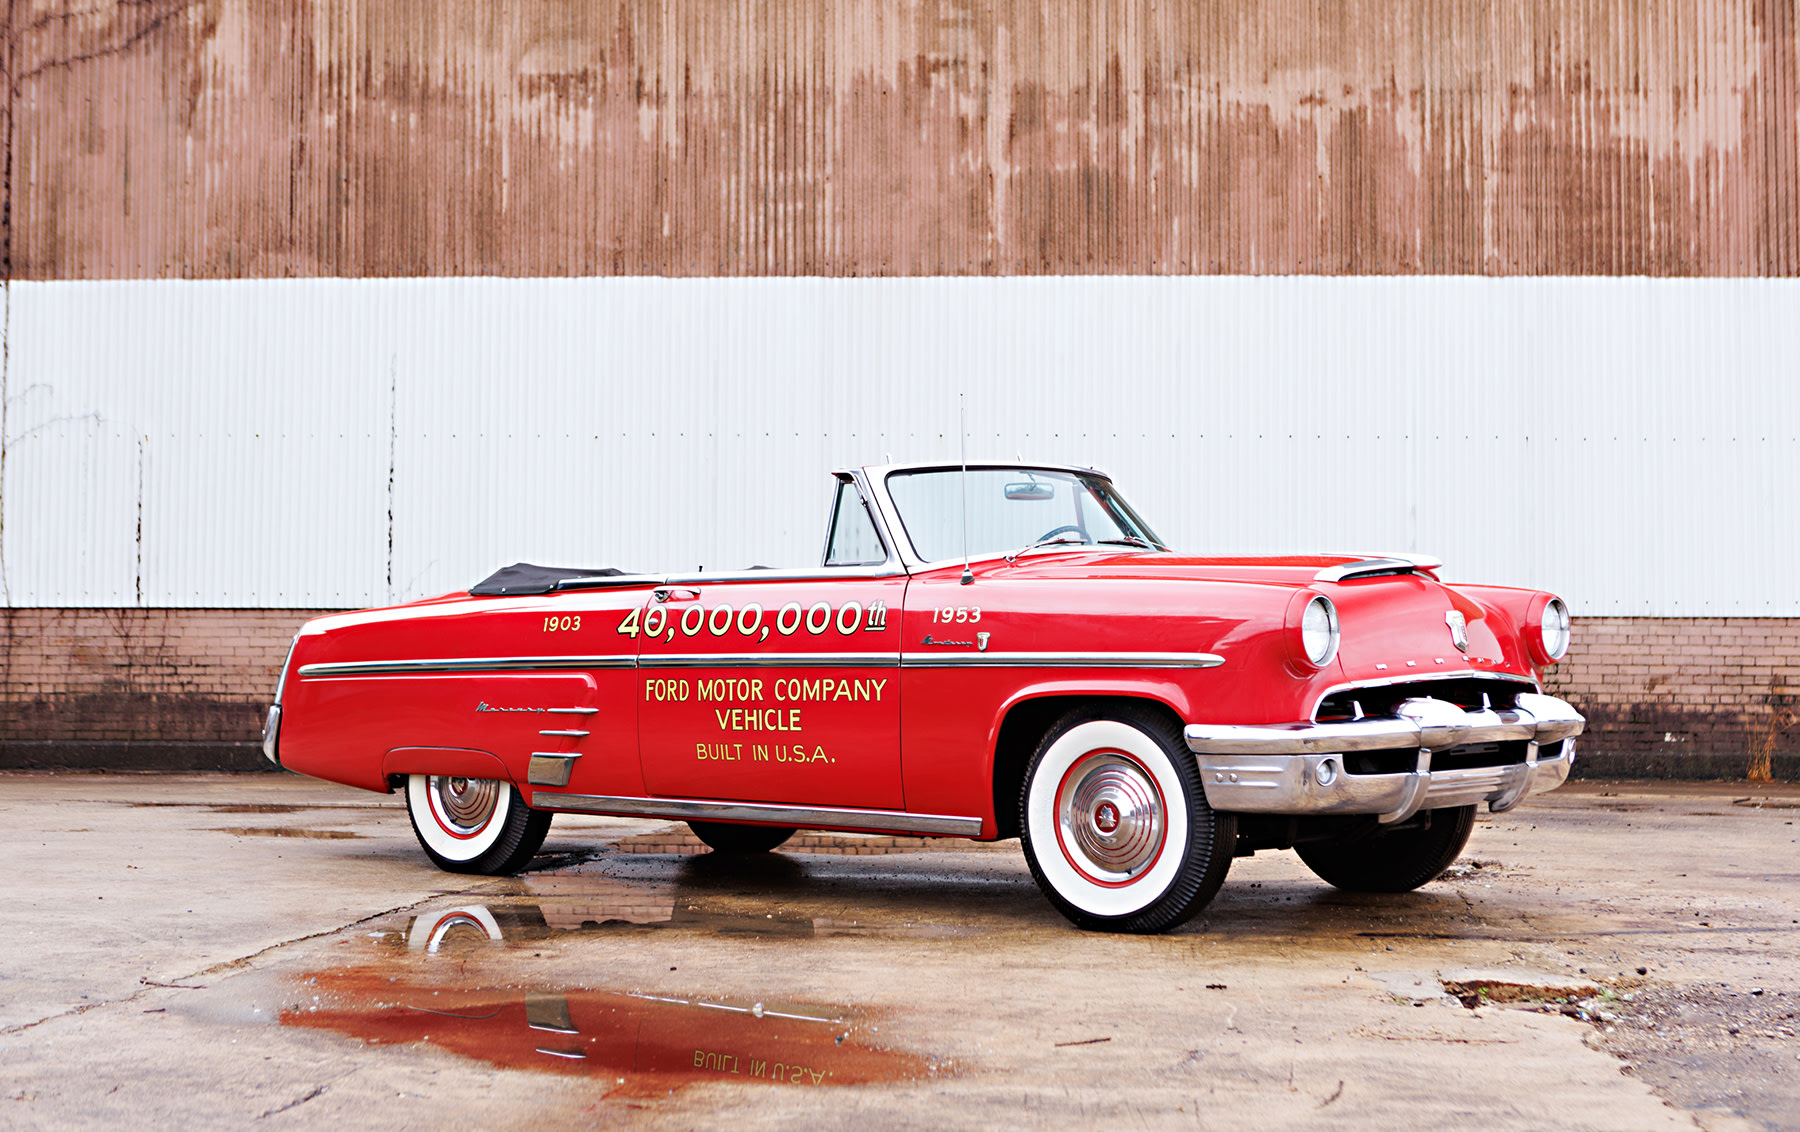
524,578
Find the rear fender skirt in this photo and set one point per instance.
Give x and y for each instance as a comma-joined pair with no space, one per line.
460,762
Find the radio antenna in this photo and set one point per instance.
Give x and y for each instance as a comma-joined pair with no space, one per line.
962,440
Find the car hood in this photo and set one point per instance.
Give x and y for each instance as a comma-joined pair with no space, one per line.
1396,626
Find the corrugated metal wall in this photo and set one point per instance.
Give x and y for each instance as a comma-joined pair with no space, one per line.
234,139
1634,444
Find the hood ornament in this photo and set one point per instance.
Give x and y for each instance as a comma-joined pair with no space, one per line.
1459,629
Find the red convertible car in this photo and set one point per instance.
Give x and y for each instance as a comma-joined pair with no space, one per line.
1002,650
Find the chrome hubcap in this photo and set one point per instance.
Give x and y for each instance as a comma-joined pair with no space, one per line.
466,804
1111,817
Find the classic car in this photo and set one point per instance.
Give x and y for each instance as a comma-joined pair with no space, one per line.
987,652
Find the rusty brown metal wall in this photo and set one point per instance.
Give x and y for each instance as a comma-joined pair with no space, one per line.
250,138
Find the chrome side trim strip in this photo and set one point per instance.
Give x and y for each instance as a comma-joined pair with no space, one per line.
565,734
771,660
1063,660
775,660
595,582
785,574
808,817
1367,568
467,664
572,711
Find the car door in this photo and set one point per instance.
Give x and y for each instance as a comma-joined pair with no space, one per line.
777,686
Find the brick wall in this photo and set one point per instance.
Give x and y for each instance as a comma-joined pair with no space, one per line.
1677,697
139,688
1683,697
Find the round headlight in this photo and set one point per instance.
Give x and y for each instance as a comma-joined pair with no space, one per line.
1319,630
1553,628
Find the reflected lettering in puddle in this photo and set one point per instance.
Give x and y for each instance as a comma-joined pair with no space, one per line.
640,1044
284,831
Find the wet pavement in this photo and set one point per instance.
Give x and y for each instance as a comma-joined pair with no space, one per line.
226,951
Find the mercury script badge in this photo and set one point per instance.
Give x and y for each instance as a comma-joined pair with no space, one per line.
1459,629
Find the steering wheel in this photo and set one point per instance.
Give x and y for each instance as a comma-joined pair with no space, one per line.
1054,531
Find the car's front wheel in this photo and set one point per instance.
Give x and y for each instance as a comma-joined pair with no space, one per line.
1116,826
474,825
1399,861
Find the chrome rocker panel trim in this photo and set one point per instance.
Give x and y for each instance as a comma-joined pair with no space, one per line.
1275,769
800,817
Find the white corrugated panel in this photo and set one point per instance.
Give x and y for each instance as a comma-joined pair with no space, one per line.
1629,443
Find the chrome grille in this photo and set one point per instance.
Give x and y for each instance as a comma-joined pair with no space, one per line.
1470,693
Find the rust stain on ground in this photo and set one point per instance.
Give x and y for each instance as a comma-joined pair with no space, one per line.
225,139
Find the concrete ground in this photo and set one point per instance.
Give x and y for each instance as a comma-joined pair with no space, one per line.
250,951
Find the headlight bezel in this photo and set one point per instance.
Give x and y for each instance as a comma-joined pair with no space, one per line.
1315,616
1548,629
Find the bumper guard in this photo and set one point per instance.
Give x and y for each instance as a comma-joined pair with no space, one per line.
271,736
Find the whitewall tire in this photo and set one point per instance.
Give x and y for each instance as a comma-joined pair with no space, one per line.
1115,823
474,825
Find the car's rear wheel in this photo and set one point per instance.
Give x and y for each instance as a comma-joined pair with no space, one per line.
1398,861
723,837
474,825
1116,826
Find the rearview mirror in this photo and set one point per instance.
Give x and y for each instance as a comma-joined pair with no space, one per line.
1032,490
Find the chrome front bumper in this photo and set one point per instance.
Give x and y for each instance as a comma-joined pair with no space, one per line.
1298,768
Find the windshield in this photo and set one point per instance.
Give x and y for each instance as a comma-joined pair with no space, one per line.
1010,509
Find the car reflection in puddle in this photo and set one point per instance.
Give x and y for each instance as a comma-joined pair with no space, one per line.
574,904
638,1044
723,897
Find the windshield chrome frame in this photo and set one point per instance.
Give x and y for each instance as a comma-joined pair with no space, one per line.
873,480
891,562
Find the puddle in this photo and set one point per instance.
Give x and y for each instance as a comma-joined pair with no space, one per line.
680,842
283,831
638,1044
